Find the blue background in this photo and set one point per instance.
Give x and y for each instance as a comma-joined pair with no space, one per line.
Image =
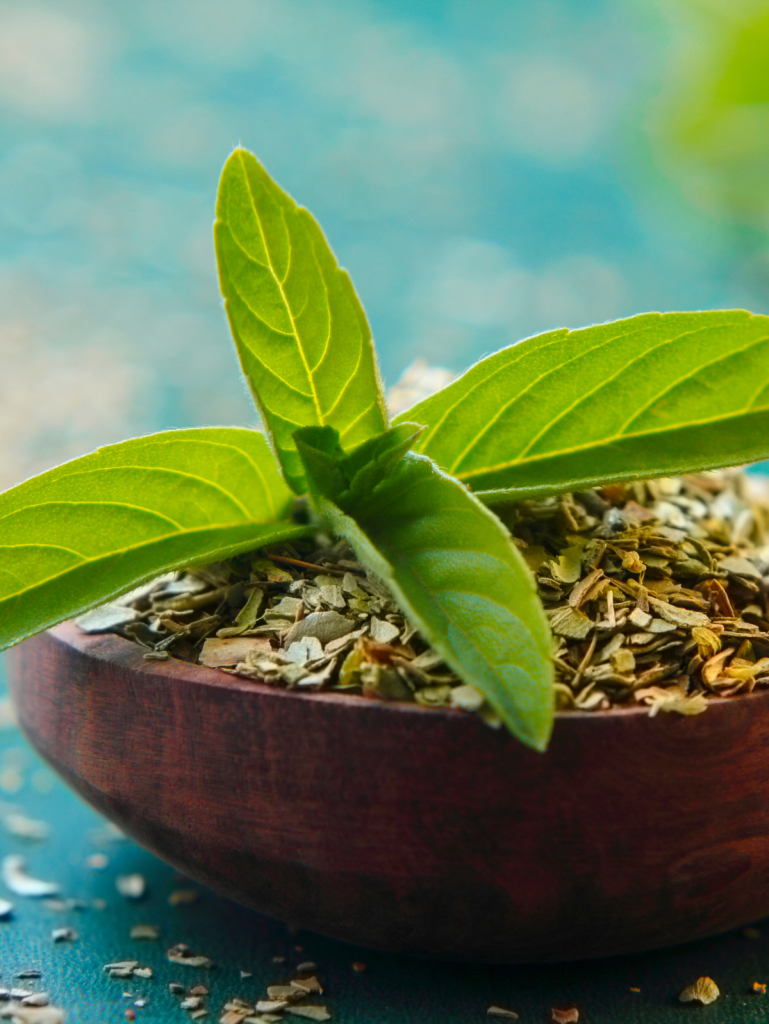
485,170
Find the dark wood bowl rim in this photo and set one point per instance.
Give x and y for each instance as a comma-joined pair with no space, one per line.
132,655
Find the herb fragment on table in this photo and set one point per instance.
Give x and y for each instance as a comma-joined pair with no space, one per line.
287,992
36,999
568,1016
233,1017
288,998
22,827
18,1013
132,887
64,935
182,897
182,954
97,862
73,903
500,1011
145,932
704,990
15,877
309,1012
308,984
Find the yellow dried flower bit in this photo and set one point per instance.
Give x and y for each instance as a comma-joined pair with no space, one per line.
708,642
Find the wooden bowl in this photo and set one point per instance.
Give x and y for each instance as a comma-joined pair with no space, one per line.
414,830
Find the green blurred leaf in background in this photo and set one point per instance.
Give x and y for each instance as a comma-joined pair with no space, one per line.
711,121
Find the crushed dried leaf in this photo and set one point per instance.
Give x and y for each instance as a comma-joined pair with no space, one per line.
704,990
651,590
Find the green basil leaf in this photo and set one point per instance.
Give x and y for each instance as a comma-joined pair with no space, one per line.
654,395
351,478
450,564
93,528
300,330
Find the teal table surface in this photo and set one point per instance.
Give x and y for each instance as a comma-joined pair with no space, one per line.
244,946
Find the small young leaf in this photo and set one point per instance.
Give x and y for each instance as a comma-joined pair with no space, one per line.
450,564
88,530
301,333
654,395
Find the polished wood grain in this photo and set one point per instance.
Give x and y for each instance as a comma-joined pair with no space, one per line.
410,829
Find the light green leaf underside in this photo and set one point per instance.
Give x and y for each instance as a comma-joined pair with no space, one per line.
652,395
300,331
97,526
454,571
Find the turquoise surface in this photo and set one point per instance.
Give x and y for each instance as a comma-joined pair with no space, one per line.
391,989
484,171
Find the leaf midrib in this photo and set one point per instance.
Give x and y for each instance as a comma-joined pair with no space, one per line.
150,444
430,434
149,469
607,380
324,417
593,445
637,413
279,283
89,559
99,504
548,373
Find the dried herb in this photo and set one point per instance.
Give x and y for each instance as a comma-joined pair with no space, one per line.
568,1016
652,628
290,998
132,887
704,990
15,877
563,412
685,619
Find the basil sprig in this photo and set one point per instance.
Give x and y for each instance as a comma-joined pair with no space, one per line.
652,395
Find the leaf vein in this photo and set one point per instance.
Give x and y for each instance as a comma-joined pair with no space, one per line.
279,283
517,397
